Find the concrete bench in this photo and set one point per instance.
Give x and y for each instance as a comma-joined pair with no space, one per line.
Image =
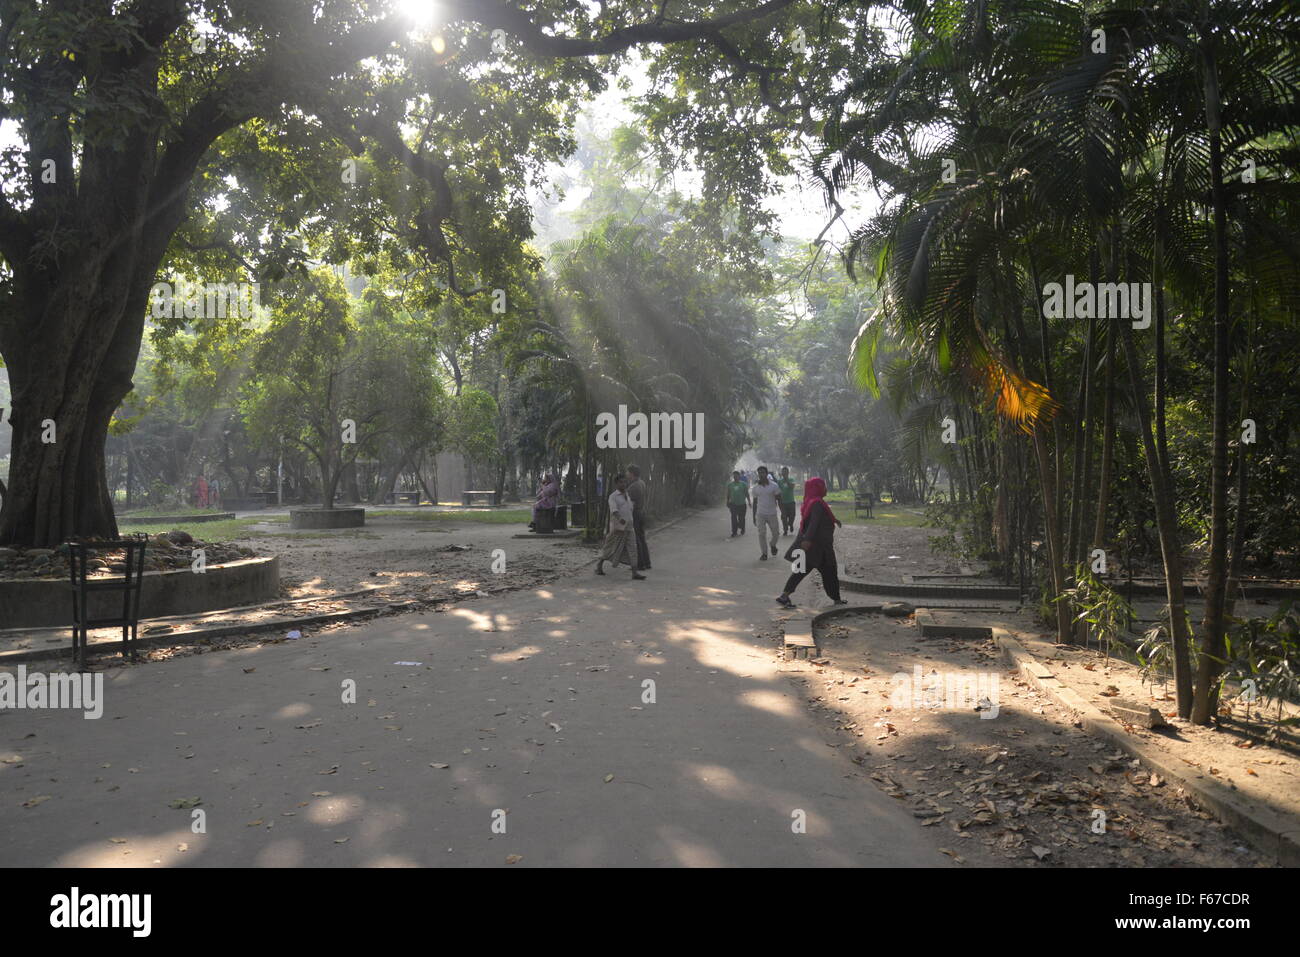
479,497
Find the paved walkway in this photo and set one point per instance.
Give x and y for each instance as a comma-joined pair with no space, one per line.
533,700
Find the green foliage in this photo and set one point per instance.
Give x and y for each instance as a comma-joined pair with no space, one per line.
1102,609
1266,653
1155,652
474,425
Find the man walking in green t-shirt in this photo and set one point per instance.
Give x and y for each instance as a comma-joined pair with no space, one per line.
786,485
737,502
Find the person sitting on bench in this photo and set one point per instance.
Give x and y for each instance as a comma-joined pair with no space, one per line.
548,496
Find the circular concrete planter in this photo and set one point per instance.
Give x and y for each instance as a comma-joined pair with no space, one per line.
327,517
47,602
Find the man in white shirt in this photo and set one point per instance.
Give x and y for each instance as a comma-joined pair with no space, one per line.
620,543
767,511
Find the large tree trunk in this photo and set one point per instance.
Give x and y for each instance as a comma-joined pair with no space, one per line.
387,481
71,346
59,489
329,478
351,490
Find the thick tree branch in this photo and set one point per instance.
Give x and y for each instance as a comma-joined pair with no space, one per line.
492,14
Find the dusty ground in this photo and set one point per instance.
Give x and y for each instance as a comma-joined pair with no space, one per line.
1245,753
420,559
884,553
1023,788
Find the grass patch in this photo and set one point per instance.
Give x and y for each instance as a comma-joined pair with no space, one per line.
495,516
143,513
890,515
846,495
884,513
230,530
323,534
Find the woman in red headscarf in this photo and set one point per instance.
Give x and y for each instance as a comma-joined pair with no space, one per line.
817,539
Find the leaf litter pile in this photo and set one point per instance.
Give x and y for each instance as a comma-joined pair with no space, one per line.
1024,788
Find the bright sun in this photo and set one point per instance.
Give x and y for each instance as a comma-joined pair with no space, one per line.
421,13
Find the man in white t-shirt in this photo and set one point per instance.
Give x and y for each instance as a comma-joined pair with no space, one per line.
767,510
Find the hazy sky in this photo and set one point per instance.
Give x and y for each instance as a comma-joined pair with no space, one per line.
800,208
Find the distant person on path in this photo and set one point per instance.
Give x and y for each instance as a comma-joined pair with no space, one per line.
767,509
201,492
817,539
636,492
786,485
737,502
548,496
620,543
214,493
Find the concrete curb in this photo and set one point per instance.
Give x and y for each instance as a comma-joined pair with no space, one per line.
197,617
1263,826
992,592
203,634
28,603
798,628
931,627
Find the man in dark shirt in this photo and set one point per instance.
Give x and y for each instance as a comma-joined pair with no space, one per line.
636,491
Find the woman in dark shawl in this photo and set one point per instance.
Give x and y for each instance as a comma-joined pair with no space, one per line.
817,539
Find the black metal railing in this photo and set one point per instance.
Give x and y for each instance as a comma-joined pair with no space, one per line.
79,555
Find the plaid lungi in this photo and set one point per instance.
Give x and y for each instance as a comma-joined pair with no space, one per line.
620,547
